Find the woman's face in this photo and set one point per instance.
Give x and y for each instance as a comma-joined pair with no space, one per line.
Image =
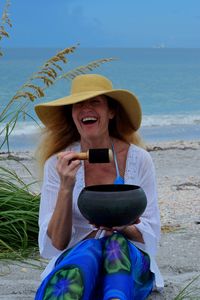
91,117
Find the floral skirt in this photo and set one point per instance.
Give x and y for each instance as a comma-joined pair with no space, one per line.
99,269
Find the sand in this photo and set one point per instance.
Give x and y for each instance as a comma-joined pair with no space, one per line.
178,176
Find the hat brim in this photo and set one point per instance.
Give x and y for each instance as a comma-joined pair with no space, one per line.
128,101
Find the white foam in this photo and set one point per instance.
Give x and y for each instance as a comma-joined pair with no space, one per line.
23,128
169,120
28,127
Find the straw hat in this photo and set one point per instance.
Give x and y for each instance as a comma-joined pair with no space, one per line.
88,86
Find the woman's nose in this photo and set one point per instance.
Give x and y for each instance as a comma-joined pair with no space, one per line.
87,103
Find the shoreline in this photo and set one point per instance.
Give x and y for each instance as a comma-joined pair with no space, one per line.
149,134
178,182
151,146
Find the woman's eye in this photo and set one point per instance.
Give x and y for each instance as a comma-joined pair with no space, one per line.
95,101
79,104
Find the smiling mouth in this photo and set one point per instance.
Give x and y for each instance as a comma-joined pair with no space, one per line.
89,120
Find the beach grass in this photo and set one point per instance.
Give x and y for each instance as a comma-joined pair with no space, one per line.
35,86
4,23
191,291
19,208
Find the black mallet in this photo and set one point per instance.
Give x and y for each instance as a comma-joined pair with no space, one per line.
99,155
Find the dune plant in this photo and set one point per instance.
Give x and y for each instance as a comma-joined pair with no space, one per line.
19,208
34,88
18,204
191,291
4,23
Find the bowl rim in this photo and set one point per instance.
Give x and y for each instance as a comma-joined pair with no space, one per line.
111,188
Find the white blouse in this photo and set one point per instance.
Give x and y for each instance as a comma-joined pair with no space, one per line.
139,171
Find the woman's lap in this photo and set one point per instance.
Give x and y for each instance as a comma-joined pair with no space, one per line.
99,269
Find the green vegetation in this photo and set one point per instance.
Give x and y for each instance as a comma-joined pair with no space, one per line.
5,22
18,216
191,291
18,205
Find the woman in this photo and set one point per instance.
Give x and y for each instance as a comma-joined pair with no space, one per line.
120,264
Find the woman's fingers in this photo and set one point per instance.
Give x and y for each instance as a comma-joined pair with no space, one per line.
67,158
118,228
105,228
67,167
137,221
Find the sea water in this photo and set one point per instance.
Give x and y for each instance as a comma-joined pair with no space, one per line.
166,81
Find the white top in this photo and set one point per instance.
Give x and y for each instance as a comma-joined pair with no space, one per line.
139,171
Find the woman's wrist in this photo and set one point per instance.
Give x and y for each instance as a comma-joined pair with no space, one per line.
65,190
132,233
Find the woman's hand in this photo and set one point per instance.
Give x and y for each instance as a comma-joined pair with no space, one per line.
126,230
67,167
123,228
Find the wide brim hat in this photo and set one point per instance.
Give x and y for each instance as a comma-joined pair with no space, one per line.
85,87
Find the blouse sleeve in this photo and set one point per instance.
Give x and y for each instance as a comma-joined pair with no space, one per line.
48,200
150,219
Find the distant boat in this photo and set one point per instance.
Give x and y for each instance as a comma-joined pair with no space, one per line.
160,46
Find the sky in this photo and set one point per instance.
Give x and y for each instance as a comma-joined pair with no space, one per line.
104,23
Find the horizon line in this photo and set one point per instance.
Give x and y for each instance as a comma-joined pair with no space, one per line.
97,47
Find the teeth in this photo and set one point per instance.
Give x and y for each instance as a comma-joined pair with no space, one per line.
89,119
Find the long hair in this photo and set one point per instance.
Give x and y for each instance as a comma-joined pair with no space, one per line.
62,132
120,126
59,134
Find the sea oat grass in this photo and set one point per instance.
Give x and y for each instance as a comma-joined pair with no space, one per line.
18,216
5,21
18,205
85,69
191,291
37,83
33,88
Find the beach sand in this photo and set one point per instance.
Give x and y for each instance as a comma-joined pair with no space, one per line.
178,176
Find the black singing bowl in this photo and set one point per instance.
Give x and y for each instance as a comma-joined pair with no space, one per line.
112,205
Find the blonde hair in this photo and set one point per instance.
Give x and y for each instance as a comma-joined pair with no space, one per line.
62,132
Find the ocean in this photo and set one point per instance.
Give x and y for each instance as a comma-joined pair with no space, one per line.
166,81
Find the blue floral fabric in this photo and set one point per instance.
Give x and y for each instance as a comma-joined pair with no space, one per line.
99,269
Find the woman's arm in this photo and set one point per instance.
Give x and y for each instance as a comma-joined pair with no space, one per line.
132,233
147,229
60,225
55,205
150,219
